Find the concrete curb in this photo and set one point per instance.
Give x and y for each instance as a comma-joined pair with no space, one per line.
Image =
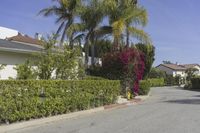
143,98
38,122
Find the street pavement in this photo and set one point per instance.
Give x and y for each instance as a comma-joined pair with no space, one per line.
167,110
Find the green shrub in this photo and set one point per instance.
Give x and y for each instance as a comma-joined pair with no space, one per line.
157,82
195,83
30,99
171,81
25,71
144,87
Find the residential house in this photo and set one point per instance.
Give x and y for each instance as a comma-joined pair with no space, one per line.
173,69
6,32
178,70
16,50
196,66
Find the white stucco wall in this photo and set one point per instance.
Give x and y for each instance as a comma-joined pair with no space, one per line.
11,60
181,73
6,32
171,72
165,69
197,67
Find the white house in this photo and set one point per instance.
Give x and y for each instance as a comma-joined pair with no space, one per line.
173,69
196,66
16,50
6,32
178,70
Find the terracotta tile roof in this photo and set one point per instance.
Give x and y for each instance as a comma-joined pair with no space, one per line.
174,67
190,65
25,39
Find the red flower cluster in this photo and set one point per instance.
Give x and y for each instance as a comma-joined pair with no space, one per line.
133,61
129,63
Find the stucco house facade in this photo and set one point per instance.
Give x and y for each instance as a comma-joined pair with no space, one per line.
16,50
178,70
172,69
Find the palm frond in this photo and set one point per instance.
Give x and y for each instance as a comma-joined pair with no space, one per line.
140,35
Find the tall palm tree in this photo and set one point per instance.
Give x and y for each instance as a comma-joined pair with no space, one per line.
124,17
65,11
91,16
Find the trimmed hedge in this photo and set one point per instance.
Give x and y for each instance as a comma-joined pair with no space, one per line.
24,100
195,83
156,82
88,77
145,86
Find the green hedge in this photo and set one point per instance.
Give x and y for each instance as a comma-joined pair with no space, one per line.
195,83
156,82
144,87
88,77
24,100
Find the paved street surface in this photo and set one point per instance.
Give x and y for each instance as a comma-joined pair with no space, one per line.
168,110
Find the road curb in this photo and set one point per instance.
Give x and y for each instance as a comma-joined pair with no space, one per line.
38,122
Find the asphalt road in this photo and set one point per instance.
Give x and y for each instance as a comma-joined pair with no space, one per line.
168,110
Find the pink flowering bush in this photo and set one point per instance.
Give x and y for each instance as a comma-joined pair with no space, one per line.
127,65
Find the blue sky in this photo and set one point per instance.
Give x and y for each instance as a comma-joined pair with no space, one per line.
173,25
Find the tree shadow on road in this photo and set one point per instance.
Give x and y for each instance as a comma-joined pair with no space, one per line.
185,101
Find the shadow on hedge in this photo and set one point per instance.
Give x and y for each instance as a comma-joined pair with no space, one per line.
185,101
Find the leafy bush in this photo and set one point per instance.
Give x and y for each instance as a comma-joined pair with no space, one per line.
157,82
30,99
144,87
25,71
170,80
195,83
126,65
156,73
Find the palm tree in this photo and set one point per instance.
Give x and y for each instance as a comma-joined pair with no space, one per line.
91,16
125,16
65,11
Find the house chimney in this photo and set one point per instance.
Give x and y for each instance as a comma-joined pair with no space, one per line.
177,63
38,36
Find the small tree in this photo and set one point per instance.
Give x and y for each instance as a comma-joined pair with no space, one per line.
46,59
67,63
25,71
190,74
167,62
156,73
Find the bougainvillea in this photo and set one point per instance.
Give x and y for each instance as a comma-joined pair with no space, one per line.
127,65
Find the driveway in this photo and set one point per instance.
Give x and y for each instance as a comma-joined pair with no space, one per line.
168,110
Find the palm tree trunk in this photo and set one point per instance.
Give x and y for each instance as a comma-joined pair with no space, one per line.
93,54
92,51
127,38
115,44
87,51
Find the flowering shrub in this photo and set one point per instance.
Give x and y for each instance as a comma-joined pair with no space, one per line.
127,65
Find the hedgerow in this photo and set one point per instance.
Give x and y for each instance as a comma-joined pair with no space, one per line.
30,99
